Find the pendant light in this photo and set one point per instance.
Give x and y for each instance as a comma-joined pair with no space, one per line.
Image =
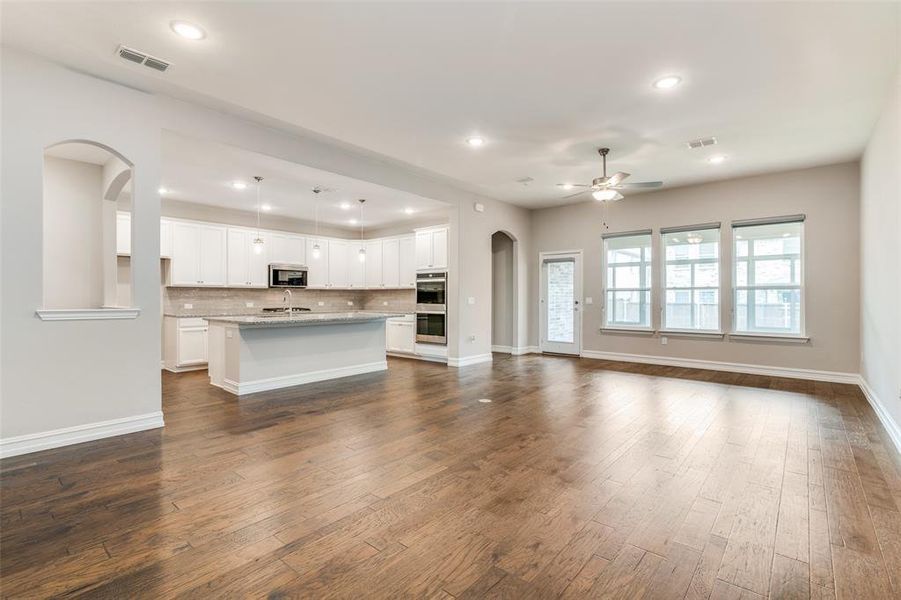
362,252
258,241
317,252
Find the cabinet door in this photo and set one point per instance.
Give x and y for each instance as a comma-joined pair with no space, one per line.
317,263
296,250
278,248
238,261
423,249
337,264
390,263
123,234
258,263
439,249
407,262
212,255
374,264
192,346
399,336
165,239
356,270
185,269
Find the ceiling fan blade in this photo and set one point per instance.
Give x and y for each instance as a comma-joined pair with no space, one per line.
579,193
616,178
639,184
572,185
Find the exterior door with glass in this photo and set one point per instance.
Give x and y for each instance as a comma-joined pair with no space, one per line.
561,303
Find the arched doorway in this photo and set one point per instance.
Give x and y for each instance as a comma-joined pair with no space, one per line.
504,301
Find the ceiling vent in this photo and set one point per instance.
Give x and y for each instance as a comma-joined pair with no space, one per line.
524,180
142,58
702,142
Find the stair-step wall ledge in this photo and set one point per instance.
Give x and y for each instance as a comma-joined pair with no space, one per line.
86,314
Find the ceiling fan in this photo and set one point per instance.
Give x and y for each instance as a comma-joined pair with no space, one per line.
606,189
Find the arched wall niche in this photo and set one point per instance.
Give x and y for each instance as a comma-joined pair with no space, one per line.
504,292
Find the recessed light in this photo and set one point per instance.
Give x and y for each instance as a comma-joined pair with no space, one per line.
717,159
566,186
409,211
187,30
162,191
352,221
668,82
475,141
239,185
344,206
266,207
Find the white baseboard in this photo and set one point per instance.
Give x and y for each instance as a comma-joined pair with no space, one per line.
894,431
502,349
514,350
274,383
33,442
710,365
202,367
466,361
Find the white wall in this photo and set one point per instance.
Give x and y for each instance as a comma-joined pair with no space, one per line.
829,196
503,305
73,234
71,373
880,260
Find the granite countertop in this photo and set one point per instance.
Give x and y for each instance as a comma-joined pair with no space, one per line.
302,319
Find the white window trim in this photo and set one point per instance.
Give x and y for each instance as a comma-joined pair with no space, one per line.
801,336
649,328
718,288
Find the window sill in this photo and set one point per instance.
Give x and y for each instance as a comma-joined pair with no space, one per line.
86,314
690,333
769,337
635,330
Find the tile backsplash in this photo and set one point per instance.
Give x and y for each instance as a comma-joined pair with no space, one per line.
208,301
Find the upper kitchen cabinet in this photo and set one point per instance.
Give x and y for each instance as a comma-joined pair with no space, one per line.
407,262
390,275
356,270
431,249
198,254
165,238
123,234
247,263
287,249
337,264
317,262
374,267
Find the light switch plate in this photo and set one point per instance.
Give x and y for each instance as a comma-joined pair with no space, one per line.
589,300
188,306
663,340
321,303
470,300
248,304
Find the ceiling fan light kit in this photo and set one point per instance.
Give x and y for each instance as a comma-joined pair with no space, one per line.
607,189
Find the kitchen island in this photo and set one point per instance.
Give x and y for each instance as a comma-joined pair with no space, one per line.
250,354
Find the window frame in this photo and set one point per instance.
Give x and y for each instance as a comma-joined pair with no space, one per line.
800,286
718,260
649,280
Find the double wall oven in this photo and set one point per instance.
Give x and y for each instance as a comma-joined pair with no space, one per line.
431,308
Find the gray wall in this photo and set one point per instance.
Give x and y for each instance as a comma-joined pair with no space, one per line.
829,196
880,261
503,306
73,234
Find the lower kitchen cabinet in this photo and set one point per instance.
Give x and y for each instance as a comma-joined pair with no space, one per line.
400,334
185,345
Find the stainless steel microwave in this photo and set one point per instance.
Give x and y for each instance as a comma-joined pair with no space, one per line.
287,276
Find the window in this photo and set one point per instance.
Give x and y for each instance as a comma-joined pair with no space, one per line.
691,278
628,282
768,275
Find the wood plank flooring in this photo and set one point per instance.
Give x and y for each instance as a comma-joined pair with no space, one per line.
581,479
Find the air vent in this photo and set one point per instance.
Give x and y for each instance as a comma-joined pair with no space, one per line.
702,142
142,58
525,180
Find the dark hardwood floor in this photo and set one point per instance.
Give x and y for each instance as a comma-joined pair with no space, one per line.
581,478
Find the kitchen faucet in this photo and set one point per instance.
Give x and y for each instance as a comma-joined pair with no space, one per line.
287,299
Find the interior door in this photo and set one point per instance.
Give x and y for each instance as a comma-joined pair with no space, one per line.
561,303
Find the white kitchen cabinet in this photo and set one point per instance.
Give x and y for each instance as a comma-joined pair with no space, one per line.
337,264
165,238
431,249
391,263
374,264
407,262
400,335
287,249
123,234
356,270
317,263
185,343
198,254
246,266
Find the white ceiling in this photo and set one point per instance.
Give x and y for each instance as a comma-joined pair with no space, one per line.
202,172
88,153
781,85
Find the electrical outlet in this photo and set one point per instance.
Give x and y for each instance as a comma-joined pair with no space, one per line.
472,338
188,306
384,303
350,302
248,304
589,300
663,340
470,300
321,303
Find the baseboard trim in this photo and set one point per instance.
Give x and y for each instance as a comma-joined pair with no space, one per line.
710,365
466,361
56,438
502,349
274,383
514,351
892,428
202,367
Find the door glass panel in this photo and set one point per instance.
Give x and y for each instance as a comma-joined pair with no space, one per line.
560,301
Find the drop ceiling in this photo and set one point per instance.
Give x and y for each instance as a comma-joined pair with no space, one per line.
780,85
